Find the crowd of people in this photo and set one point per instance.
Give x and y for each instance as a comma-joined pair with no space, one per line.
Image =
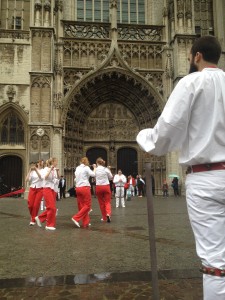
46,183
96,180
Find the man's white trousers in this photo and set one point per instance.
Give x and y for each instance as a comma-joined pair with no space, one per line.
205,194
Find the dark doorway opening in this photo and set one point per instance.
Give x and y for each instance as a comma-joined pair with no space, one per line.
10,173
93,153
127,161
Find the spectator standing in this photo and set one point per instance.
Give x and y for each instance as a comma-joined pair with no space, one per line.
175,186
119,181
62,187
193,122
140,184
165,188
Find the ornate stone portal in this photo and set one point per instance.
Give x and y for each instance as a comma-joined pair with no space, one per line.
110,123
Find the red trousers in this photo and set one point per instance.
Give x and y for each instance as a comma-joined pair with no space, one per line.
34,200
103,194
49,215
84,205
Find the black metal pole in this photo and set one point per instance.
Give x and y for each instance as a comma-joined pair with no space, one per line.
151,228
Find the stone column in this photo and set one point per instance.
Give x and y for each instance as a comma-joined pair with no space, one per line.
37,13
47,9
180,16
113,14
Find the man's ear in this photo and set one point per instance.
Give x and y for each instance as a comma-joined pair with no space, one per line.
198,57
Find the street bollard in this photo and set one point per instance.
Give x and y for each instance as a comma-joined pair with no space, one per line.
151,228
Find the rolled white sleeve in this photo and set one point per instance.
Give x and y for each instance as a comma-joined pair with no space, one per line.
171,128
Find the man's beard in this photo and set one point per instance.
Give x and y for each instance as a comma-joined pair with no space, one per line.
193,68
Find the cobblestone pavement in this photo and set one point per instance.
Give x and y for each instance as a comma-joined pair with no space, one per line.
105,261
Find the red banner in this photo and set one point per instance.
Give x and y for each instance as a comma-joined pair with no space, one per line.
13,193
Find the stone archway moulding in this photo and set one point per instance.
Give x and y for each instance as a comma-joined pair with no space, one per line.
113,63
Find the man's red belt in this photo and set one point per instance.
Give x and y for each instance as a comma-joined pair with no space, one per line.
212,271
207,167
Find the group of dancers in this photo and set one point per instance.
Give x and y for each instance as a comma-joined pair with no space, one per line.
44,183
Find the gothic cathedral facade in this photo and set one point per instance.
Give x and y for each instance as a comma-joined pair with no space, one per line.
82,77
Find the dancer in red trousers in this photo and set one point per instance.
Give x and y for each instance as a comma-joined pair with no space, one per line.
51,178
83,191
103,192
36,189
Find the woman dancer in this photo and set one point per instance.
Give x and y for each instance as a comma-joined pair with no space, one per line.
103,192
36,189
83,191
51,178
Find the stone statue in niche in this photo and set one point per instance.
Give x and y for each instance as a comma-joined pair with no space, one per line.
45,142
34,142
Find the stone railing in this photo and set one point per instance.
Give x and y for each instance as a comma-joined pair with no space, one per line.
86,30
130,32
140,32
15,34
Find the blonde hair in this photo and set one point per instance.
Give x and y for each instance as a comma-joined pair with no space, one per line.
85,161
100,161
50,161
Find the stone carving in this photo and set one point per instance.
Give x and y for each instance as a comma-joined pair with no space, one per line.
72,77
142,56
15,34
42,33
180,8
58,68
41,81
92,31
171,10
169,71
58,5
38,4
34,142
47,5
10,93
188,13
57,100
113,3
140,33
110,122
45,143
84,54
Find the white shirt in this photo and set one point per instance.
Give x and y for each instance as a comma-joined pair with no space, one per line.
82,174
103,175
193,120
52,181
117,181
35,181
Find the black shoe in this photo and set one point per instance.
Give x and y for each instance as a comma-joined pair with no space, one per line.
108,219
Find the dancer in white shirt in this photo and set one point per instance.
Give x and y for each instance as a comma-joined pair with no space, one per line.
193,121
119,180
103,192
36,189
51,179
83,191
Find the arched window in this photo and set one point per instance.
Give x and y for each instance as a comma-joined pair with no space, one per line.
12,130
